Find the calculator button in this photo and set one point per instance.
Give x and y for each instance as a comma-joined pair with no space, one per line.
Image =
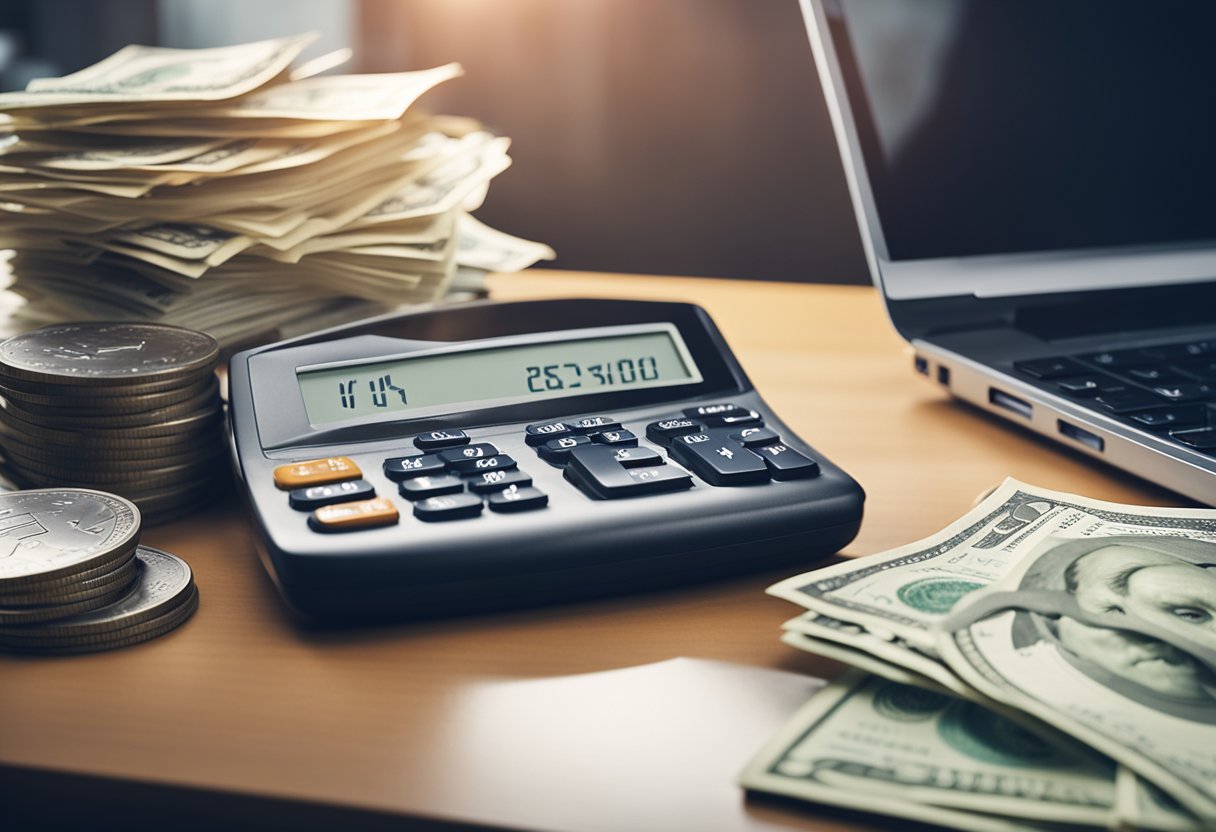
542,432
419,488
307,499
517,499
637,457
664,429
418,465
364,514
754,437
316,472
784,463
593,424
595,470
490,481
747,417
719,462
558,451
476,451
706,410
615,437
478,465
441,439
448,507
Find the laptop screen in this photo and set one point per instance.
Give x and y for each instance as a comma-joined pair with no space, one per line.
1036,125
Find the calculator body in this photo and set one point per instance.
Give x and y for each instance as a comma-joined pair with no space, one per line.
587,537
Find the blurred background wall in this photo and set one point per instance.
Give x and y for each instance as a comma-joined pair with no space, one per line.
654,136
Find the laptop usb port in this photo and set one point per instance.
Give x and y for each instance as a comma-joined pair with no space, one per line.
1081,435
1011,403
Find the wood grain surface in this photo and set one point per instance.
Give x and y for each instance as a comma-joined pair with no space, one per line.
246,702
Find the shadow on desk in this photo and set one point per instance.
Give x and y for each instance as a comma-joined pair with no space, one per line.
34,801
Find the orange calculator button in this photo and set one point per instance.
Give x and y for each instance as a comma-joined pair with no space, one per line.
360,515
316,472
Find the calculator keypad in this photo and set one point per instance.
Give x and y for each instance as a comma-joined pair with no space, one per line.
722,444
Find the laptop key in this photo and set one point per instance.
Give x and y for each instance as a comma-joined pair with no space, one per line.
1180,352
1200,370
1154,375
1049,368
1127,399
1203,439
1083,387
1193,392
1171,418
1118,359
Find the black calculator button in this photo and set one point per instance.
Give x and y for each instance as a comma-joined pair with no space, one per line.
517,498
441,439
542,432
707,410
615,438
476,451
558,451
593,424
307,499
479,465
664,429
489,481
448,507
595,470
718,461
747,417
784,463
418,465
637,457
754,437
419,488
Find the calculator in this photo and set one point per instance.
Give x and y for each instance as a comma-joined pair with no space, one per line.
491,455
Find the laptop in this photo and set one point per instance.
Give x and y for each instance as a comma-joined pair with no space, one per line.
1035,186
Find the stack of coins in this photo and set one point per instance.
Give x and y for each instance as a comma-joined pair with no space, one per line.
73,577
128,408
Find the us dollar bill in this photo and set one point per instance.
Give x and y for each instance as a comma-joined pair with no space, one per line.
904,592
1106,629
871,744
143,74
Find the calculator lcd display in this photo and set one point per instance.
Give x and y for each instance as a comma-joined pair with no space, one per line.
518,373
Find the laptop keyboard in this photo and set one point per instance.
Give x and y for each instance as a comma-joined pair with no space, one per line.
1169,389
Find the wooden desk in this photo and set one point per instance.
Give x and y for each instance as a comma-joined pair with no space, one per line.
243,715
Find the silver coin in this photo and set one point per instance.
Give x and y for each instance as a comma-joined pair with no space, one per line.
63,419
107,641
81,590
196,422
82,464
105,390
84,403
164,583
45,533
16,616
107,353
112,445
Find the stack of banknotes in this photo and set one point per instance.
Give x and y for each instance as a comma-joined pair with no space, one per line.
224,191
1047,661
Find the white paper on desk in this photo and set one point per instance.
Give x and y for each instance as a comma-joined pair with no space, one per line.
652,747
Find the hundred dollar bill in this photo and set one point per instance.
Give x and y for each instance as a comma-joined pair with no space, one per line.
817,627
904,592
142,74
870,744
482,247
1106,629
860,659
